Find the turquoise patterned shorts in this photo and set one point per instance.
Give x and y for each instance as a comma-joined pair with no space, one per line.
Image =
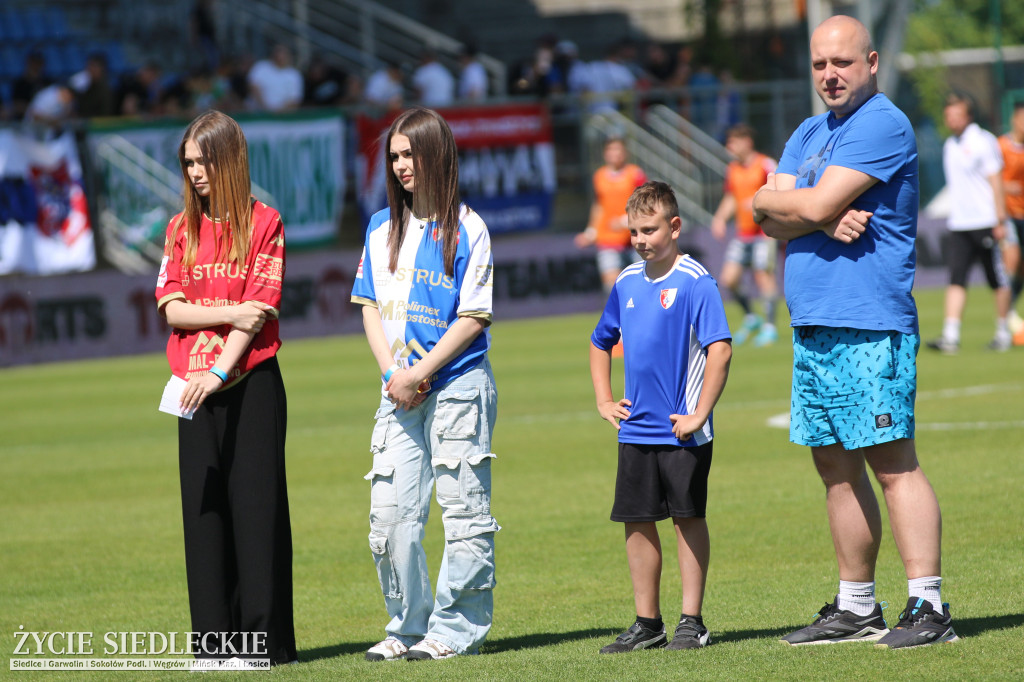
855,387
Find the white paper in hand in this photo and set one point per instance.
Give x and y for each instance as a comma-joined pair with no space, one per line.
171,399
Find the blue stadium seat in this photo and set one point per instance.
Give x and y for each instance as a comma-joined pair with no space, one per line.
116,62
15,27
56,24
12,62
35,24
55,67
74,58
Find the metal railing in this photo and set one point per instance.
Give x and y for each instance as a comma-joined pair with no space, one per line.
703,157
658,160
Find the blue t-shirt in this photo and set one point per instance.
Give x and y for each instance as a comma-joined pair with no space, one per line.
666,326
418,302
866,284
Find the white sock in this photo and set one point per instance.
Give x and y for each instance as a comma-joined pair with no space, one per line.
951,329
856,597
927,588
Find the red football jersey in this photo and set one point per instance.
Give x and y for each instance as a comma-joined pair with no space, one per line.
210,282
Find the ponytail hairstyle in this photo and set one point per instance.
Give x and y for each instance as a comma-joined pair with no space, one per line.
435,195
226,158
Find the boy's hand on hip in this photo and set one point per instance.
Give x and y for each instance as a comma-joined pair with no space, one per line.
612,411
683,425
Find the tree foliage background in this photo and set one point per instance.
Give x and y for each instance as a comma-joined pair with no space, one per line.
937,25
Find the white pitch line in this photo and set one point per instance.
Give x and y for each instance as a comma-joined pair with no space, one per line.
970,426
944,393
550,417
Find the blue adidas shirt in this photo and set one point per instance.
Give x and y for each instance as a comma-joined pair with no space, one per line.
665,326
866,284
418,302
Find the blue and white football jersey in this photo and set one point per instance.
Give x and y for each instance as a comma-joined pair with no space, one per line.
665,325
418,302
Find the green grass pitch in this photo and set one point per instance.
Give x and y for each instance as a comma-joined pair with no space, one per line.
91,530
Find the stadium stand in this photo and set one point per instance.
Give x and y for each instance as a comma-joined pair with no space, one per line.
45,29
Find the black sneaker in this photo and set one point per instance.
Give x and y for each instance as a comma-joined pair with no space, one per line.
920,625
944,345
834,625
690,634
637,637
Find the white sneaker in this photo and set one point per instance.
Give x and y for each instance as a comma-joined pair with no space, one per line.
391,649
429,649
1001,343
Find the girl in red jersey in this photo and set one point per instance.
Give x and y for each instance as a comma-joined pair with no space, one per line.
219,288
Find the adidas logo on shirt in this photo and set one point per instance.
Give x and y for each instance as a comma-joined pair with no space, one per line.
629,303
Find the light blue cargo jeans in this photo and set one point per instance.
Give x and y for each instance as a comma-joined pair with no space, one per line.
445,443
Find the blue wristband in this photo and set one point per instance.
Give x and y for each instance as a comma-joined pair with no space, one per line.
391,370
220,374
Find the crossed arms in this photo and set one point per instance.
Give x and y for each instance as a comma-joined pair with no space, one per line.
785,212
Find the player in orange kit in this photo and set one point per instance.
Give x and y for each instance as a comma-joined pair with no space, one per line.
750,248
614,182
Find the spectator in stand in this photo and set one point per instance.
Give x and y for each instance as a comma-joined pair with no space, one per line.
384,87
176,98
629,57
680,77
434,84
94,95
140,92
473,77
28,84
727,106
204,91
275,84
50,108
609,75
704,94
326,85
659,65
568,74
531,77
233,72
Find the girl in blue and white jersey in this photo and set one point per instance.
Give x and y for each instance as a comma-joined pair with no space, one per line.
425,283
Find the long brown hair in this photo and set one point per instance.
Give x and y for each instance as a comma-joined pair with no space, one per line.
226,157
436,192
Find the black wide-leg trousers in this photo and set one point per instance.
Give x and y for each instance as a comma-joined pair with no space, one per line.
234,500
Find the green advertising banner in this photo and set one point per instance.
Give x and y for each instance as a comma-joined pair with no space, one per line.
296,162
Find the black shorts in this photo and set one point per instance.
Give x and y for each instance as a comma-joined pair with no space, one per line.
967,246
656,482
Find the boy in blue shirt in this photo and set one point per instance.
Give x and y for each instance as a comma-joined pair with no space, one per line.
677,348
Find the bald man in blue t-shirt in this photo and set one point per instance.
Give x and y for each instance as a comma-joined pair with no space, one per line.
846,197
